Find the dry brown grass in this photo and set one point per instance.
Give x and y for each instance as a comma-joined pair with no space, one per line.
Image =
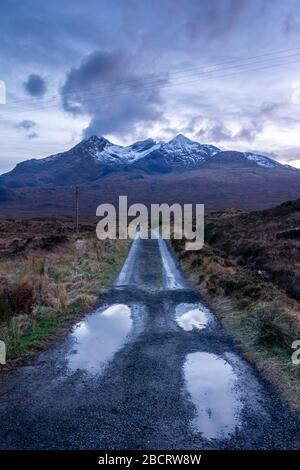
40,287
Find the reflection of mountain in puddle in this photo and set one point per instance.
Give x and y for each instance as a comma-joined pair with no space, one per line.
98,337
189,316
212,385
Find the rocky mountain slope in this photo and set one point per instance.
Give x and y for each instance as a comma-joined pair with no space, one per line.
147,171
95,157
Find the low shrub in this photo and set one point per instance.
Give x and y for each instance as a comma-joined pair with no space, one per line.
272,326
22,295
6,311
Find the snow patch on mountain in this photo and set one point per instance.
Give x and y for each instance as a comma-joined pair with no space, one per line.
187,152
262,160
127,154
181,144
179,150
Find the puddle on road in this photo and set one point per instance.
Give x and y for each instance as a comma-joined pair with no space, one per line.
212,385
98,337
189,316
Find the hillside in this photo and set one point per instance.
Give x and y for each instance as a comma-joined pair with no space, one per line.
218,188
248,273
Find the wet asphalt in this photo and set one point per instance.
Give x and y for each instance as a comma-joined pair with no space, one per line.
132,376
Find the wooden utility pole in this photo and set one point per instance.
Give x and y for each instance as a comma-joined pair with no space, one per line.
77,209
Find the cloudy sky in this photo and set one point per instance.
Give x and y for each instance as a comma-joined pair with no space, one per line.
224,72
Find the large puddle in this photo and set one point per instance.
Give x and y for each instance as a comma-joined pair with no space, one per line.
190,316
98,337
212,385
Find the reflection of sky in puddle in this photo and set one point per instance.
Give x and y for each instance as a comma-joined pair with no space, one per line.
190,316
211,383
173,277
98,337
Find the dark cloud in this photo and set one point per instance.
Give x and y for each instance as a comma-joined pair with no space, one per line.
170,130
267,112
35,85
29,27
218,132
215,133
291,24
157,35
32,135
115,90
249,132
268,109
210,19
252,122
26,124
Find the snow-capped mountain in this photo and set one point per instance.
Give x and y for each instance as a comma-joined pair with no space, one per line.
105,151
178,151
182,144
132,152
96,157
178,154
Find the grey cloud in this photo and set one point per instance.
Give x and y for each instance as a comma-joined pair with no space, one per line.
115,91
250,126
160,34
249,132
267,113
210,19
35,85
218,132
193,124
268,109
215,133
289,154
26,124
291,24
32,135
170,130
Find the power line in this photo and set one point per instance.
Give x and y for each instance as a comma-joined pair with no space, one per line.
90,91
169,85
154,80
208,72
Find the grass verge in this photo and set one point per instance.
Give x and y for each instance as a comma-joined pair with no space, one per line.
261,315
42,292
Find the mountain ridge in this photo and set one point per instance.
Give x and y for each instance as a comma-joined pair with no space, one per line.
179,171
95,157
